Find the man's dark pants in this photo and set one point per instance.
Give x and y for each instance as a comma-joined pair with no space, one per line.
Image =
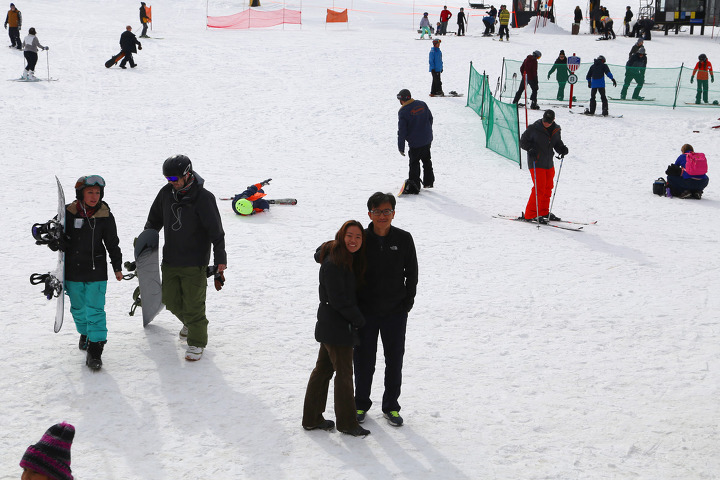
417,155
391,328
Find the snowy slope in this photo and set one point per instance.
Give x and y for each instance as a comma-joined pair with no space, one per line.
530,353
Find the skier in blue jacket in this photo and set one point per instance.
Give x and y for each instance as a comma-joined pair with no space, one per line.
596,82
436,68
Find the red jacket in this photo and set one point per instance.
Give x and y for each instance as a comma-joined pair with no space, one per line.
529,67
445,15
702,69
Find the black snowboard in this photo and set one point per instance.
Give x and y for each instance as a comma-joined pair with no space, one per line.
114,60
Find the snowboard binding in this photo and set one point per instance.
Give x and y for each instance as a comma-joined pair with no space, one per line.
53,286
49,233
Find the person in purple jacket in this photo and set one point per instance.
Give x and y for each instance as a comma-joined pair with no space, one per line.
415,127
683,184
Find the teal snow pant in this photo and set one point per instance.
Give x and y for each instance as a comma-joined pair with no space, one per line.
183,293
87,305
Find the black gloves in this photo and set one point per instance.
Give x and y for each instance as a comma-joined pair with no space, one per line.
614,83
564,151
139,47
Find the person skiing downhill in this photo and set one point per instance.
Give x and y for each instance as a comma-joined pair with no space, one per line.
91,234
30,47
596,82
189,215
529,69
702,69
539,140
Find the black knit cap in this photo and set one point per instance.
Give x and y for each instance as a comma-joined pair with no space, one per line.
51,455
404,95
548,116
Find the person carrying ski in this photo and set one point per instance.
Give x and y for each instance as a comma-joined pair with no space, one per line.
528,70
596,83
702,69
91,235
561,67
689,177
144,19
415,127
189,215
461,21
386,297
445,15
627,20
425,26
540,139
504,22
127,45
436,67
251,201
342,267
30,48
13,19
635,70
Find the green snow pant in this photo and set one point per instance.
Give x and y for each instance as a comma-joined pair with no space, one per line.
183,293
702,90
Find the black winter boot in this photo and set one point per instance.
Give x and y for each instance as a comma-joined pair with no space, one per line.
82,344
94,355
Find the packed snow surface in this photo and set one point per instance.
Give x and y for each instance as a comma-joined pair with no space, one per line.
531,353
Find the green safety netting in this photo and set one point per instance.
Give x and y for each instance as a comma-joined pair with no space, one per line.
499,120
668,87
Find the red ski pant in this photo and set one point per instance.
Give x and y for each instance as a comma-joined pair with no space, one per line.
543,184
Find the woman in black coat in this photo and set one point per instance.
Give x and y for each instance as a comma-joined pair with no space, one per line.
342,269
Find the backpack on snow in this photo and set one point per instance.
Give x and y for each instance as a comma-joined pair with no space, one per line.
659,187
695,164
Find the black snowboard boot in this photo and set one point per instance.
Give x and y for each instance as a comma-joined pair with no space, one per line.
82,344
94,355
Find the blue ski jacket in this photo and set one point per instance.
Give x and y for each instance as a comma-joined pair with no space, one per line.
596,74
436,64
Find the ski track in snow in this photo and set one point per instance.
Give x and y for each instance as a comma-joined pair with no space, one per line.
531,353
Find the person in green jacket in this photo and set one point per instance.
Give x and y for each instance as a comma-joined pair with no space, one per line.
562,74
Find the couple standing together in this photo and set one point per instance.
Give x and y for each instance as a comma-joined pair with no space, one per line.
368,280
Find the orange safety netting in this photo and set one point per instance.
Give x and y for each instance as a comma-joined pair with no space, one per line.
336,17
255,19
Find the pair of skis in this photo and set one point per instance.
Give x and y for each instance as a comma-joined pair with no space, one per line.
277,201
573,226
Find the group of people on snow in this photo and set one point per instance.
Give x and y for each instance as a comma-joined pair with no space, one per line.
491,18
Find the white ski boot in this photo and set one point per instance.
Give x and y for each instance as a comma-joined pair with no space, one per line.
24,75
31,76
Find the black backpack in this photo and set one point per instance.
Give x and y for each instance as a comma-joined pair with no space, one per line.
659,187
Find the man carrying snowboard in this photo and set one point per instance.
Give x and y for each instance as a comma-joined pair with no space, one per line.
127,45
192,223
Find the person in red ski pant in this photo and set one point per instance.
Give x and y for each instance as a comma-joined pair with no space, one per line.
540,140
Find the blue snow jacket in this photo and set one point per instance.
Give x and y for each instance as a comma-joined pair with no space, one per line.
436,64
414,125
596,74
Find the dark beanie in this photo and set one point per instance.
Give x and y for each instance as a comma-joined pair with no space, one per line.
51,455
562,52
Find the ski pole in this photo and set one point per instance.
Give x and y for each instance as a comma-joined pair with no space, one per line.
561,157
47,57
535,187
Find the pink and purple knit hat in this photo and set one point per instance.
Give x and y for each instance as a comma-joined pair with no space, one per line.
51,455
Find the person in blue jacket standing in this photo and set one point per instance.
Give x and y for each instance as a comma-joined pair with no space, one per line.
415,127
436,68
596,82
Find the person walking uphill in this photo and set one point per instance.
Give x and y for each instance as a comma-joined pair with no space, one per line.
415,127
560,66
338,318
702,69
30,48
386,298
540,139
528,70
13,19
127,45
596,82
144,19
189,214
91,235
436,68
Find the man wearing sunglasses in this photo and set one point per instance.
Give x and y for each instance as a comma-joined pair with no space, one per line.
189,214
385,299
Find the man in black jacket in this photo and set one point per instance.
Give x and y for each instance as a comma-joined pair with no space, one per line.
385,300
192,223
144,19
127,45
540,139
627,20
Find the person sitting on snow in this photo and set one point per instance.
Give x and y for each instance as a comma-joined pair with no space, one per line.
687,177
251,201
